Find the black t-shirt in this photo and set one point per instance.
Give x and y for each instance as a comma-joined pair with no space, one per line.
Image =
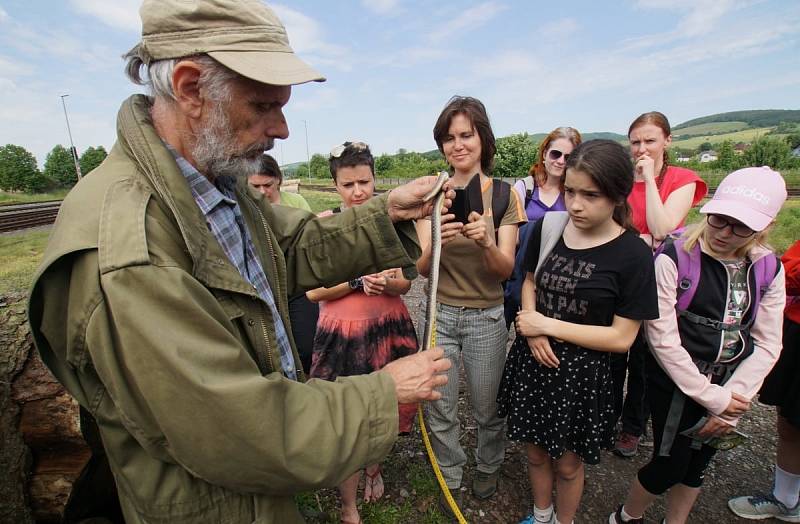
590,286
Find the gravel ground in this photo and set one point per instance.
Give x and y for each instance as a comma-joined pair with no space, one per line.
411,490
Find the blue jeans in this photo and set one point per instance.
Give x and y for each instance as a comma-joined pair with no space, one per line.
476,338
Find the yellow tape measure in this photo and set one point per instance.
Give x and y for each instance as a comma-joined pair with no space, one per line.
431,456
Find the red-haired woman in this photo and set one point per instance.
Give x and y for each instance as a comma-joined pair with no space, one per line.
661,198
542,191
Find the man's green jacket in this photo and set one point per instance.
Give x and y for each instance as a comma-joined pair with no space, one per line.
139,313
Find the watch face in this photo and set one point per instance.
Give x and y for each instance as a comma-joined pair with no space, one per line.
356,283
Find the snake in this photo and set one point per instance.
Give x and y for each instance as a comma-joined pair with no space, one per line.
437,194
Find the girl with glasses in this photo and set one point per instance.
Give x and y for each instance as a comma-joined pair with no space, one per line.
586,301
709,357
661,198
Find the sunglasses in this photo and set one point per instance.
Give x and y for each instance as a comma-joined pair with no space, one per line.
555,154
738,229
339,150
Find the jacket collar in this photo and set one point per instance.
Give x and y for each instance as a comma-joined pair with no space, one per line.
139,140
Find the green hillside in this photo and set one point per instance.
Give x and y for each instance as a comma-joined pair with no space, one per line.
745,135
753,118
711,128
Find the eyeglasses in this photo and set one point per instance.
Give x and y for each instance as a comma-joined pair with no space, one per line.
737,228
555,154
338,151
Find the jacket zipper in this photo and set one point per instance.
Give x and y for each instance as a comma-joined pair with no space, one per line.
275,296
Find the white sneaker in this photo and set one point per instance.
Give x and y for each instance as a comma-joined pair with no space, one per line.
760,506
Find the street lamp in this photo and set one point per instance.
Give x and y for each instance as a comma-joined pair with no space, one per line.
308,157
71,144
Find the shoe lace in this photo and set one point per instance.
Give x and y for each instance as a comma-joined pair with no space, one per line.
767,498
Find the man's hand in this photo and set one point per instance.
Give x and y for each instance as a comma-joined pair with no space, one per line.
416,376
405,202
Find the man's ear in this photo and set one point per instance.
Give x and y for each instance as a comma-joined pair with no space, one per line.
186,86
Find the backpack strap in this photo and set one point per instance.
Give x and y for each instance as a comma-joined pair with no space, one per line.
765,269
688,273
553,224
528,181
501,196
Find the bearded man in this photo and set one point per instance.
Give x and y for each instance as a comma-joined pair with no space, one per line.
161,302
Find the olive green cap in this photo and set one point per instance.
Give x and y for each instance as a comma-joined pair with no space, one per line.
243,35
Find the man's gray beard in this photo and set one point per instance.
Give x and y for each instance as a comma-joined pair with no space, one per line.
215,150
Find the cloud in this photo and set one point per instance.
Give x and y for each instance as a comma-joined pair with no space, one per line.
120,14
380,7
560,29
617,69
470,19
3,15
305,33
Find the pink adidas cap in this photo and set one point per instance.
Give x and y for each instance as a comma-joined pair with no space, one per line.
752,195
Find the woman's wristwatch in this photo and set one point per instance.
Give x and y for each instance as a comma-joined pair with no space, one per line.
356,283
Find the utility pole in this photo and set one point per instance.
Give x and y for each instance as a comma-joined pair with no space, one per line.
308,157
71,144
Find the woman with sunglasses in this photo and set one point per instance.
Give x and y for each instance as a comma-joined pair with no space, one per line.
661,198
709,357
363,324
470,327
542,191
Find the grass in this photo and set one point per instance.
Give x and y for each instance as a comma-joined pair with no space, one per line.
320,201
714,177
20,254
711,128
8,197
745,135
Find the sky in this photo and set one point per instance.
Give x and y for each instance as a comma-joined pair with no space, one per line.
392,65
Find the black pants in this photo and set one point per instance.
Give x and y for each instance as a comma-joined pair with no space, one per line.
303,314
633,407
684,465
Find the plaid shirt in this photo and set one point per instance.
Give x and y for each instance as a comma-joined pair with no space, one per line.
224,220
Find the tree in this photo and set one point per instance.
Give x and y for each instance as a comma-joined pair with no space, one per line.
515,155
769,151
383,164
18,170
319,166
706,146
793,140
91,158
60,168
726,157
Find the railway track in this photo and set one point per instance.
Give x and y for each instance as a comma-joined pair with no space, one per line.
24,216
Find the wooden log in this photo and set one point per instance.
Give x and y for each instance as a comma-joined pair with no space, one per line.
42,447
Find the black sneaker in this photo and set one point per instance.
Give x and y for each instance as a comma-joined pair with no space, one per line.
616,518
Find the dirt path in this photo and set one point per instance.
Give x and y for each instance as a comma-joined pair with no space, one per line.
412,492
